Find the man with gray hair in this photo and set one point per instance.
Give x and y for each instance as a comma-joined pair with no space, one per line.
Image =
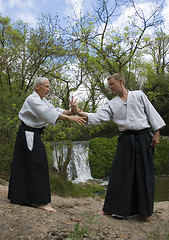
29,179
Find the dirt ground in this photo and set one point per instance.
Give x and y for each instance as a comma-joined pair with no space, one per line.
77,218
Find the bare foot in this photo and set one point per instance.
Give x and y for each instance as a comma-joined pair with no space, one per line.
104,213
46,207
147,218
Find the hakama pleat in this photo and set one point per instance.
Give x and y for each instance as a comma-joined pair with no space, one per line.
131,185
29,179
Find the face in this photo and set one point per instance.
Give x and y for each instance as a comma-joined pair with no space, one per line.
43,89
115,86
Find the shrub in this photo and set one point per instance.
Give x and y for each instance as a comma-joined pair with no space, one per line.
63,187
7,143
101,155
102,151
161,157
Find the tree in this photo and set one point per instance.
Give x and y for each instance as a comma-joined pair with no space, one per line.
25,54
103,50
156,74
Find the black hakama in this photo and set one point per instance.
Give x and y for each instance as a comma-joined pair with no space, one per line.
131,186
29,179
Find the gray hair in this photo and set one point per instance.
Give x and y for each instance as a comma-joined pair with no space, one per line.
117,77
39,81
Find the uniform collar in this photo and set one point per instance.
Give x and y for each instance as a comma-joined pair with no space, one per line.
37,95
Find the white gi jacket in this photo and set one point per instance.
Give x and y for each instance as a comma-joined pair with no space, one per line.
37,112
135,114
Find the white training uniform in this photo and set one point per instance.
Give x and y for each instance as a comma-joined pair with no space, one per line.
135,114
37,112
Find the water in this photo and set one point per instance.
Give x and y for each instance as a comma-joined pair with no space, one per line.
161,188
161,191
79,170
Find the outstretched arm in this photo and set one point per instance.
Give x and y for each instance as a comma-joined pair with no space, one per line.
68,112
77,119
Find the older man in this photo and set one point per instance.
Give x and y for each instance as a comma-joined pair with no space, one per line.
131,184
29,179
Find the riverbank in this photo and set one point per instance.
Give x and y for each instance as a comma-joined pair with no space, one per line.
78,215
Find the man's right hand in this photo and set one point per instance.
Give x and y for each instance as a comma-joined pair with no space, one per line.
74,105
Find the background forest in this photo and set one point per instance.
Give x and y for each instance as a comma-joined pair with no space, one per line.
77,59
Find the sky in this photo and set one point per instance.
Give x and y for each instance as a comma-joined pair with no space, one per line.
29,10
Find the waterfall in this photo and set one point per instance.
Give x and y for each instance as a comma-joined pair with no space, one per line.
78,169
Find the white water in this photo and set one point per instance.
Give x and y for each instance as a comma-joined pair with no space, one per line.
78,169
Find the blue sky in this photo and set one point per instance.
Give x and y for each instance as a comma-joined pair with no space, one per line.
29,10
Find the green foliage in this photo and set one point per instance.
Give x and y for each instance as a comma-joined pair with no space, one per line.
82,55
49,152
79,232
155,72
157,91
161,157
101,155
105,130
63,187
9,108
63,131
8,131
22,55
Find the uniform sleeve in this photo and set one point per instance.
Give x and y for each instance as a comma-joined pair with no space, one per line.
154,118
58,109
44,110
102,115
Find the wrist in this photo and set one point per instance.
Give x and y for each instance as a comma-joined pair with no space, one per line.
78,110
68,118
71,112
157,132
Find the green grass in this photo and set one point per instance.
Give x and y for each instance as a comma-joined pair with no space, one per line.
83,230
65,188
